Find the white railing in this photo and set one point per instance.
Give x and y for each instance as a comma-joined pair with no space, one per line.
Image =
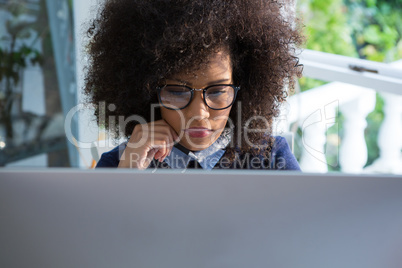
315,111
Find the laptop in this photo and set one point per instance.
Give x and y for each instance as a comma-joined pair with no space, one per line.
216,219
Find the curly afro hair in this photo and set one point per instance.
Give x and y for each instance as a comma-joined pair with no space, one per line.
134,44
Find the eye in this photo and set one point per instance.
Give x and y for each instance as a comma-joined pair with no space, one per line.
176,93
217,91
176,90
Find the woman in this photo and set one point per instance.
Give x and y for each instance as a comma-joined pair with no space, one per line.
193,83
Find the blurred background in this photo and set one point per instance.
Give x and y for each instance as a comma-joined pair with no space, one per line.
351,122
364,133
38,82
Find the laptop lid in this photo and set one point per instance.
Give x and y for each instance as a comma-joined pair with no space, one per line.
123,218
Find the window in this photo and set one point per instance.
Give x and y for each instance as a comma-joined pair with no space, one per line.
38,84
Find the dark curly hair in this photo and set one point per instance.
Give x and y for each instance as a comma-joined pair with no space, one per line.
134,44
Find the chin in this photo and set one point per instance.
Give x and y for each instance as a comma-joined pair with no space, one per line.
202,143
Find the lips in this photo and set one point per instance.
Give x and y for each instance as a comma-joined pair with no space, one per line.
198,132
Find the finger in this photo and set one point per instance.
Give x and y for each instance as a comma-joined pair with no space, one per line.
165,140
161,130
168,148
168,130
164,133
152,153
171,142
142,161
149,157
162,150
173,139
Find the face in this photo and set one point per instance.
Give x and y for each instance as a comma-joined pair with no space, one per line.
197,125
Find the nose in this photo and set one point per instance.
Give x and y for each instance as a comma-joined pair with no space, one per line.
197,108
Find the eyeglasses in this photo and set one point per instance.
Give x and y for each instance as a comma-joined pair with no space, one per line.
216,97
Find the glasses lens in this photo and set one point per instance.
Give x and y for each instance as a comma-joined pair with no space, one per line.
175,97
219,97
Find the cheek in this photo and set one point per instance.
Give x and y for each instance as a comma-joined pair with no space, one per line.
172,118
221,116
168,115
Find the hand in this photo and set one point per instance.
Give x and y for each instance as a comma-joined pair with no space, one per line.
148,141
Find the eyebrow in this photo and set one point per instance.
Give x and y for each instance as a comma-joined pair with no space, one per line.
220,81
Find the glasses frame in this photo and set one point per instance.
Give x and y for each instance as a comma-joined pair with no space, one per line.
204,90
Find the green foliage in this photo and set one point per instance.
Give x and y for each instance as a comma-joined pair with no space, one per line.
334,138
374,120
367,29
370,29
13,61
376,28
326,29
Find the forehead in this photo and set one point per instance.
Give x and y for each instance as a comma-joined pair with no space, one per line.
218,66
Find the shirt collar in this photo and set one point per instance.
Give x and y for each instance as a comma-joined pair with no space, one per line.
180,156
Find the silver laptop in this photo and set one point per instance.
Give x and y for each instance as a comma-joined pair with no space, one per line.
113,218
